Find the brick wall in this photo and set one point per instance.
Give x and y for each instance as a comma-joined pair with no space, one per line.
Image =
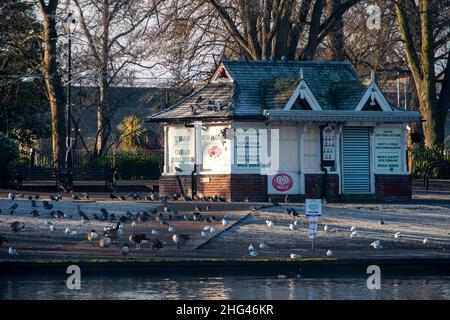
249,185
313,186
393,186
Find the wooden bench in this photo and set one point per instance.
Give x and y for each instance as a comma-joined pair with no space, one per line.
89,174
34,174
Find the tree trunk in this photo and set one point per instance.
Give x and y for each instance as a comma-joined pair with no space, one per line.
101,116
336,36
52,81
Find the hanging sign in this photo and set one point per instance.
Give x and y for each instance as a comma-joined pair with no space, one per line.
329,145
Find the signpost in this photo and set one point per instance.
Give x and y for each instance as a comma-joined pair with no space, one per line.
313,212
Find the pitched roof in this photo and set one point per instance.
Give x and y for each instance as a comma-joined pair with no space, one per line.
260,85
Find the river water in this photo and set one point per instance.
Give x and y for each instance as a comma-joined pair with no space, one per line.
226,287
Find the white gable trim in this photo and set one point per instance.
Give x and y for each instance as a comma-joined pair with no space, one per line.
304,92
377,95
215,78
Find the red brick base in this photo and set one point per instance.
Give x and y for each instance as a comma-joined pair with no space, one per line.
393,186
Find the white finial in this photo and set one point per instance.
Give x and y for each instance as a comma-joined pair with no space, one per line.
301,73
372,76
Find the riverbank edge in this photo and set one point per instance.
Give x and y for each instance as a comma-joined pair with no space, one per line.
232,266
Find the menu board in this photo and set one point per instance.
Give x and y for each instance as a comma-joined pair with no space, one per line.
388,149
181,147
329,144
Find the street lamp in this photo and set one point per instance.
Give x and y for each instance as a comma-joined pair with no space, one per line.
69,27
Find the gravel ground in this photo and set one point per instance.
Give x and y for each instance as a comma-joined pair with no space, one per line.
415,221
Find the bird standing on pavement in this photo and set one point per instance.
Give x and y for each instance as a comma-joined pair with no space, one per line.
180,239
16,226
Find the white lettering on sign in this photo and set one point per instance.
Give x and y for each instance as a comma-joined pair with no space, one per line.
312,230
181,147
388,149
313,207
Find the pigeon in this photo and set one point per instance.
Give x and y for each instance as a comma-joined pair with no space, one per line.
36,196
172,230
14,206
34,213
425,241
292,227
326,228
75,197
112,196
16,226
12,251
353,229
353,234
86,196
180,239
155,244
125,249
253,253
381,221
33,203
138,239
225,222
204,234
155,231
228,216
54,228
71,231
92,235
12,196
105,242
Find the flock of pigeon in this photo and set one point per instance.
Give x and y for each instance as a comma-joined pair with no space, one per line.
111,234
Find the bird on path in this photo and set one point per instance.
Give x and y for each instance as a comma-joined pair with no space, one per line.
204,234
269,223
381,221
253,253
397,235
263,245
138,239
12,251
112,196
105,242
326,228
425,241
86,196
92,235
16,226
295,256
75,197
125,249
13,207
251,247
376,245
12,196
225,222
353,229
155,244
172,229
34,213
329,253
292,227
353,234
33,204
180,239
3,240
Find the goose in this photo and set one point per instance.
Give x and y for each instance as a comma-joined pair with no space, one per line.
16,226
155,231
262,245
329,253
251,247
253,253
3,240
138,239
353,234
269,223
125,249
225,222
397,235
105,242
12,251
295,256
172,229
353,229
155,244
204,234
180,239
92,235
376,245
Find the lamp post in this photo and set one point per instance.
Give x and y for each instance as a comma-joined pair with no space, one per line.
69,27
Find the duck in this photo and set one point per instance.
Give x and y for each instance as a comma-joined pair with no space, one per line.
138,239
92,235
105,242
180,239
125,249
16,226
155,244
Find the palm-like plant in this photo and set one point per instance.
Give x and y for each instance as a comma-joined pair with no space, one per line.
132,133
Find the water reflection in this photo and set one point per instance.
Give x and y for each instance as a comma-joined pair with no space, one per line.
238,287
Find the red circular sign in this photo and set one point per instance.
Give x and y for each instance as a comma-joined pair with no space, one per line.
282,182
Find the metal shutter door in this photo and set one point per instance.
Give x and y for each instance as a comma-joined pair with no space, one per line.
356,160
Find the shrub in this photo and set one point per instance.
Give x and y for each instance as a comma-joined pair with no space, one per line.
423,158
9,152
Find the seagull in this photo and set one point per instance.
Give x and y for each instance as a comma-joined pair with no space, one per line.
204,234
12,251
253,253
329,253
425,241
326,228
225,222
262,245
295,256
291,227
353,234
353,229
397,235
16,226
180,239
251,247
269,223
155,231
376,245
125,249
71,232
105,242
172,229
11,195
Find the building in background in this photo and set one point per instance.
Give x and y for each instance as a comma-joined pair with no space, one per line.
304,129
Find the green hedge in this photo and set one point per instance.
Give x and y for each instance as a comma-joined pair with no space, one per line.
134,166
423,158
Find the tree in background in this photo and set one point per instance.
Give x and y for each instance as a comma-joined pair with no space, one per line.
10,151
132,133
425,31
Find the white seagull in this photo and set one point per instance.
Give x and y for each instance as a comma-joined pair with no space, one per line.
225,222
295,256
269,223
329,253
326,228
397,235
353,228
353,234
376,245
12,251
251,247
262,245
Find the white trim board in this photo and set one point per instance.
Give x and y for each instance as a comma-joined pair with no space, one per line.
378,96
304,92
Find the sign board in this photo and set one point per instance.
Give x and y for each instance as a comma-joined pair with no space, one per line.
388,149
181,148
216,150
312,230
313,207
329,145
284,183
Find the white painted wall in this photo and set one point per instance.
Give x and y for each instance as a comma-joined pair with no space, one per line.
312,149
